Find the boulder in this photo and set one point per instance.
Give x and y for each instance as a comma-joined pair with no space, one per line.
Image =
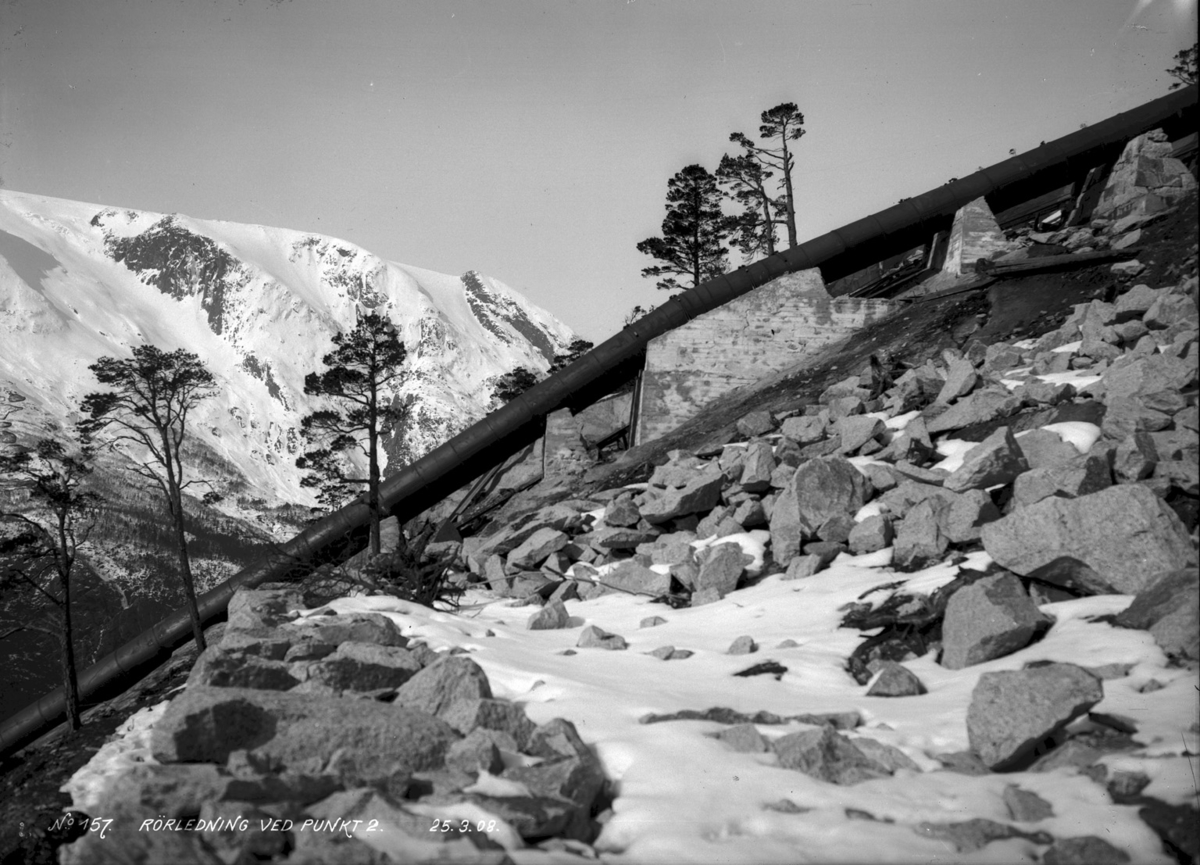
552,616
856,430
757,466
979,407
1125,534
448,681
1025,806
805,430
721,567
987,619
619,538
743,645
536,548
755,423
301,732
919,539
1168,608
967,512
220,668
1083,850
669,549
744,738
1079,476
490,714
596,638
872,534
1013,711
960,381
970,835
362,667
826,755
819,489
262,608
995,460
632,577
699,494
895,680
803,566
622,511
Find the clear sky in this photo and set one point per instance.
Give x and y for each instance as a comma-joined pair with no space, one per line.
533,139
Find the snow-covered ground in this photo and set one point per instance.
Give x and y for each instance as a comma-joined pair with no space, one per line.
683,796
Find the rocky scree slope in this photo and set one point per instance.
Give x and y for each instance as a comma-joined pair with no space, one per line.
998,487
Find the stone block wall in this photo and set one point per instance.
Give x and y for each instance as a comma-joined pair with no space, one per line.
760,332
975,235
569,437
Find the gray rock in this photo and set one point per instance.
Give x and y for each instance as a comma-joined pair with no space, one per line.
757,466
872,534
820,488
596,638
1125,534
976,834
1078,476
1025,806
448,681
1168,608
1013,712
919,539
262,607
826,755
836,530
805,430
577,779
271,644
743,645
962,521
619,538
960,381
362,667
979,407
652,622
669,549
856,430
698,495
990,618
721,566
300,732
475,753
803,566
755,423
220,668
622,511
750,514
632,577
551,617
895,680
889,757
534,549
744,738
1134,458
490,714
995,460
354,627
1084,850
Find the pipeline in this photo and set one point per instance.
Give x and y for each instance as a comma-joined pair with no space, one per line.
464,457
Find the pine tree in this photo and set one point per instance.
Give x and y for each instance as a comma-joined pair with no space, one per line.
780,124
693,232
744,181
145,418
1185,67
364,362
39,547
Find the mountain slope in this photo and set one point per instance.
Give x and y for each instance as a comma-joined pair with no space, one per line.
259,305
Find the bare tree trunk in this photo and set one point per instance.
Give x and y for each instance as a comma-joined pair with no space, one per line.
70,678
373,471
788,193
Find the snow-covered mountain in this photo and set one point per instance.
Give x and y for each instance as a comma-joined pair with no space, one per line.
259,306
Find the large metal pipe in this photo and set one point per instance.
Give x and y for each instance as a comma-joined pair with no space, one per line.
495,437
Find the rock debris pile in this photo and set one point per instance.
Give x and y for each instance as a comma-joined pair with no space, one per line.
1068,463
